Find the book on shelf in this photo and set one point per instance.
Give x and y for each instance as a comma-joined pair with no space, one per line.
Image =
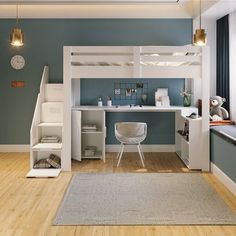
50,139
89,127
90,150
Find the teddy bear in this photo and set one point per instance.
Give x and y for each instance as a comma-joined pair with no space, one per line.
217,112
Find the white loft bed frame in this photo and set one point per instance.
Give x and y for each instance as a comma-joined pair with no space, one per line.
187,62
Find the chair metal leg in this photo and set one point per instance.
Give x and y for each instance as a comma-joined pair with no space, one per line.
141,151
118,154
117,157
121,153
140,154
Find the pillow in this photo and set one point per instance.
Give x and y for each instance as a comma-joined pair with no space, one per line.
42,164
54,161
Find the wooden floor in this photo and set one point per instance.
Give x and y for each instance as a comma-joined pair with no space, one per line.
28,206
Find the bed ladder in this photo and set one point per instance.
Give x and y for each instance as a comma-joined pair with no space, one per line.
47,121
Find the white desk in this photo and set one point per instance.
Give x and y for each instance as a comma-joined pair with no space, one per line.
187,150
185,111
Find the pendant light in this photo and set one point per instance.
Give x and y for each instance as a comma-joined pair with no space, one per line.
200,37
17,35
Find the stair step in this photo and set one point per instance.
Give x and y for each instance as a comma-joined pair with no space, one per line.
52,112
47,146
54,124
53,92
43,173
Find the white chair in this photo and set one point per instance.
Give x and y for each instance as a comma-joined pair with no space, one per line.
130,133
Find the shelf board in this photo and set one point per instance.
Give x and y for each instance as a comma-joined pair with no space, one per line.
187,142
50,124
97,155
183,137
47,146
185,161
92,132
43,173
178,153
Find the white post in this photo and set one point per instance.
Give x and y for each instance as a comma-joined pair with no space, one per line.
66,134
205,109
137,59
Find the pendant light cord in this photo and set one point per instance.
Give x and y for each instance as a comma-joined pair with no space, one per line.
17,16
200,14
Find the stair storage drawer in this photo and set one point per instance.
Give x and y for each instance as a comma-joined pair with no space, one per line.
54,92
52,112
38,155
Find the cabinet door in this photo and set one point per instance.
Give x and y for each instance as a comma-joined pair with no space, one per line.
76,135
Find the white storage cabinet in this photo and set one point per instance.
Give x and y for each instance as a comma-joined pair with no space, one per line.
189,150
81,139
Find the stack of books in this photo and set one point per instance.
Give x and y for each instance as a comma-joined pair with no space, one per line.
90,151
50,139
89,128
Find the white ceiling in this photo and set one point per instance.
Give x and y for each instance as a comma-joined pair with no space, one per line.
96,9
222,8
110,8
94,1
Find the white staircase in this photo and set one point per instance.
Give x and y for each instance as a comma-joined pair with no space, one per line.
47,121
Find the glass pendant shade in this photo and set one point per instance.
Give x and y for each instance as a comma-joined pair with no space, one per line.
200,38
17,37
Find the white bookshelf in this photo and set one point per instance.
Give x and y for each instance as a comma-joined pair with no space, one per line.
189,149
81,139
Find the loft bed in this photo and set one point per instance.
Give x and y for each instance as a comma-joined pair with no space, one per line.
106,62
154,59
135,62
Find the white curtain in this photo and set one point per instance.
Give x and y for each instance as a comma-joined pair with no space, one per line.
232,38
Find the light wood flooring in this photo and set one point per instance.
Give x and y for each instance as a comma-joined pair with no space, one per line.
28,206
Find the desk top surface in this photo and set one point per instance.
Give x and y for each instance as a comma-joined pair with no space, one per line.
127,108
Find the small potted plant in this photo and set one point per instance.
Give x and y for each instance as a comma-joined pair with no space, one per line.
186,97
100,102
109,102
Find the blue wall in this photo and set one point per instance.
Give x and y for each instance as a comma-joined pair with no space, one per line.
91,89
44,40
161,126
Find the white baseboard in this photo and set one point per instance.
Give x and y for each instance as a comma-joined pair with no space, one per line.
145,148
15,148
229,183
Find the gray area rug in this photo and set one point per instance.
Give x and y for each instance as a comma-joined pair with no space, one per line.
142,199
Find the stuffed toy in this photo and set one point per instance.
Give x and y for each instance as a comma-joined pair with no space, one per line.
217,112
